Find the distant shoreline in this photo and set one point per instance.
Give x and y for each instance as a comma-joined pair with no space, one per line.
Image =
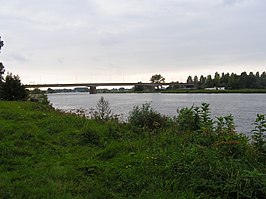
248,91
254,91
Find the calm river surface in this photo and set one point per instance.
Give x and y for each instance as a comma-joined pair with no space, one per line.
244,107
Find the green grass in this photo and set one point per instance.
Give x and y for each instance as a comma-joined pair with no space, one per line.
49,154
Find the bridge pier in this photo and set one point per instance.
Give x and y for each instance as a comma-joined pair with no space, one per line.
93,90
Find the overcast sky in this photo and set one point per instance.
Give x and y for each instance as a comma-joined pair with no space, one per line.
66,41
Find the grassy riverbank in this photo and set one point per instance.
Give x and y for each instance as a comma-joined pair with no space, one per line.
216,91
49,154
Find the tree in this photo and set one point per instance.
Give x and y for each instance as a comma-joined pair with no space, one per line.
234,81
252,81
243,80
225,79
189,80
103,111
202,81
2,68
11,89
2,71
217,79
209,82
263,80
196,79
157,79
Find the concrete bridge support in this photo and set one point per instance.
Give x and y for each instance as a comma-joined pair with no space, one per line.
93,90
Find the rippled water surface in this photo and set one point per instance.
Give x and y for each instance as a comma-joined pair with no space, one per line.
244,107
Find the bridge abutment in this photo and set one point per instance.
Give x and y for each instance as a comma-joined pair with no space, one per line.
93,90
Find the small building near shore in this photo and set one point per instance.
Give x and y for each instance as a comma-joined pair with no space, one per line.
215,88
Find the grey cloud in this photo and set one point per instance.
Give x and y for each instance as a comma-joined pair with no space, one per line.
110,40
233,2
139,35
18,57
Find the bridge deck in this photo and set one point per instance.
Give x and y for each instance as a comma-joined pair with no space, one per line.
103,84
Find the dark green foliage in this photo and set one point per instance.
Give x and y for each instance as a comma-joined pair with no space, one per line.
90,137
188,119
114,130
143,88
12,89
157,79
225,125
189,80
231,81
206,123
2,71
146,118
195,119
199,119
259,133
217,91
42,100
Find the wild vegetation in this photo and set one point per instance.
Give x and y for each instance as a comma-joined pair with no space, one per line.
45,153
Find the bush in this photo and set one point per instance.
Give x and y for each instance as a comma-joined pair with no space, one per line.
90,137
225,125
195,119
145,117
103,111
12,89
259,136
199,119
206,123
187,119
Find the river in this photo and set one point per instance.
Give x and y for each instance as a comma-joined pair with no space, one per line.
244,107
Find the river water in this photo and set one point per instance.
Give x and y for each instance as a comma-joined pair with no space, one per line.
244,107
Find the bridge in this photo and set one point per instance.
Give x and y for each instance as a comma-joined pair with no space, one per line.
93,86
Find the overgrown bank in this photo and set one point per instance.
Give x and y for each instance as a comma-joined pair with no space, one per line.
49,154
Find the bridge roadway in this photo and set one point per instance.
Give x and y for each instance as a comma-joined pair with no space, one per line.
94,85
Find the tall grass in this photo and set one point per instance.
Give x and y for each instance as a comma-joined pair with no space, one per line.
45,153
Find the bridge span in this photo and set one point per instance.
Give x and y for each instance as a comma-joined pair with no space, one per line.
94,85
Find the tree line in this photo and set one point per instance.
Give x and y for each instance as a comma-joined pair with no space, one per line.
230,81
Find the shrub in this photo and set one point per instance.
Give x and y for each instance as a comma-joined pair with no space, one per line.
90,137
103,111
195,119
186,119
115,130
206,122
42,100
225,125
145,117
199,119
259,133
12,89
